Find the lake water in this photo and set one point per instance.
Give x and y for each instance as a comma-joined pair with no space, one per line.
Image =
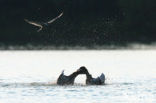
30,76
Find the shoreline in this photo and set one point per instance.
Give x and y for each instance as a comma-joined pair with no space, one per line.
95,47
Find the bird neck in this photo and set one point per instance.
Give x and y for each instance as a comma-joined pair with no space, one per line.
74,75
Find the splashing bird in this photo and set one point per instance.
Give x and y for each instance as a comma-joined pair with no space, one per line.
41,25
93,81
69,80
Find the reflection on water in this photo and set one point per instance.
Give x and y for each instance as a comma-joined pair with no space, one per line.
30,76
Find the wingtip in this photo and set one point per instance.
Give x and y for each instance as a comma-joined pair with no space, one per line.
62,71
25,19
61,14
102,77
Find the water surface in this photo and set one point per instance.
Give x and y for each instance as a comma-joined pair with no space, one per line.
30,76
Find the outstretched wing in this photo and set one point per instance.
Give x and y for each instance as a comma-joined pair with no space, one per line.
35,24
62,71
51,21
102,78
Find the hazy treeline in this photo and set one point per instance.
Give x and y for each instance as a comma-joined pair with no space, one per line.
84,23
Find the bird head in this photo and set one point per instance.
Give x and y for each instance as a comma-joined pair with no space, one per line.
82,70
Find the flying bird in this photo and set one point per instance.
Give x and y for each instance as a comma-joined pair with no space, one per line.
41,25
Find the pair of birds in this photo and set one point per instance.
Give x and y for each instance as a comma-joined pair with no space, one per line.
69,80
41,25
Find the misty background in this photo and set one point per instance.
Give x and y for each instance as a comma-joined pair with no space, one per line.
85,23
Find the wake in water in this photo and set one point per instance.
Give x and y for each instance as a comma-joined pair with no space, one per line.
35,84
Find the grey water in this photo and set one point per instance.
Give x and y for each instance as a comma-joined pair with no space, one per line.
30,76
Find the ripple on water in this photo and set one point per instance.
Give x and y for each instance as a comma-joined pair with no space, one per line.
117,92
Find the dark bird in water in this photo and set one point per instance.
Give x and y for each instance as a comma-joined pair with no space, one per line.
69,80
41,25
93,81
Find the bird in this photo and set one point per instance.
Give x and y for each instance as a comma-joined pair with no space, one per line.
69,80
41,25
93,81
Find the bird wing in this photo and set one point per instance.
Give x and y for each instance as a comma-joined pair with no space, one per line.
35,24
62,72
51,21
102,78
